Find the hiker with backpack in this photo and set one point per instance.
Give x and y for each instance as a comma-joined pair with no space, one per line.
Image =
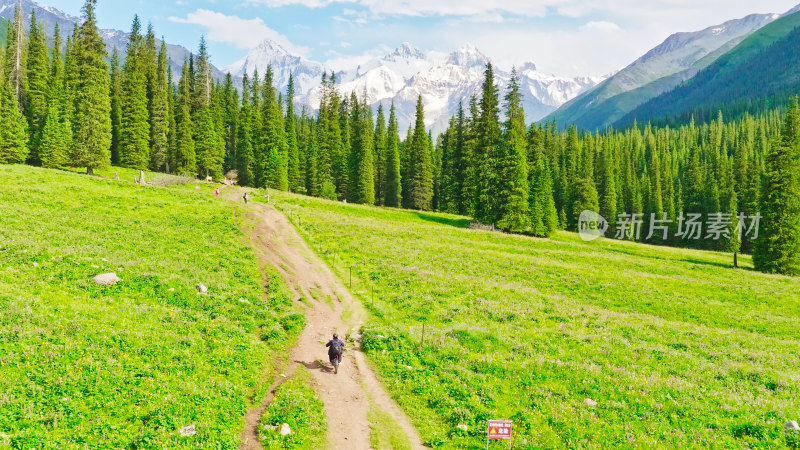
335,351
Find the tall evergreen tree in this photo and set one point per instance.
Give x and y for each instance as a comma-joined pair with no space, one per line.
89,89
15,57
13,128
116,105
38,86
778,248
244,140
380,156
362,171
512,168
486,152
421,164
185,160
393,181
295,180
57,131
159,106
134,132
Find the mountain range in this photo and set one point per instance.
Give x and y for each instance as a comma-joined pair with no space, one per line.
675,61
401,76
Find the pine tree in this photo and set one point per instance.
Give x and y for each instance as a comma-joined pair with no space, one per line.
116,106
185,159
38,86
362,171
421,164
486,152
244,140
134,132
393,181
15,57
13,129
380,156
159,106
209,146
512,169
276,167
295,180
89,88
778,248
57,131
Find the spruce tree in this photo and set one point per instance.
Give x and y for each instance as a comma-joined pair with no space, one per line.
159,106
244,139
421,164
362,171
295,180
89,88
487,193
512,168
393,181
185,158
209,146
134,132
15,64
777,249
38,86
380,156
116,105
57,131
13,128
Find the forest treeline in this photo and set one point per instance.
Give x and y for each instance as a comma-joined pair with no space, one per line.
78,109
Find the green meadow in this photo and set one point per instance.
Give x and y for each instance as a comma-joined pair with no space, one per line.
130,365
583,345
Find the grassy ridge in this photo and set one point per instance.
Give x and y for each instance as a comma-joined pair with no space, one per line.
131,364
675,347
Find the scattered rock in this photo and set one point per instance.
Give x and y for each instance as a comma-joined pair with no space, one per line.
283,375
285,430
408,367
244,300
35,264
791,425
106,279
463,427
590,402
201,288
383,352
188,430
171,289
380,336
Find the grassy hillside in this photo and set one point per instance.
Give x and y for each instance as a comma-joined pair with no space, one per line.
674,346
127,366
760,73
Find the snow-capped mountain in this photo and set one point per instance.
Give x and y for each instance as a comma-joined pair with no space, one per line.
408,72
307,74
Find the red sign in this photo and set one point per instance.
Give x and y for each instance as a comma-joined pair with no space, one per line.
499,429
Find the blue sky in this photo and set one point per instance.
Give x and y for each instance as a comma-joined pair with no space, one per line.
563,37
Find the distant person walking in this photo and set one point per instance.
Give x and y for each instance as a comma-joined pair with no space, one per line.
246,197
216,192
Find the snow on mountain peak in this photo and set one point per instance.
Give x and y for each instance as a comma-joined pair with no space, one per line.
405,51
468,56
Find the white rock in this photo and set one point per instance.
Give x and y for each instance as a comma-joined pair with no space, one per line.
590,402
188,430
201,288
285,430
791,425
35,264
106,279
462,426
383,352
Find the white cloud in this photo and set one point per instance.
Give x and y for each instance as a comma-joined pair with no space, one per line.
242,33
601,25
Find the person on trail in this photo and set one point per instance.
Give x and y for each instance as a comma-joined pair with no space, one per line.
216,192
335,351
246,197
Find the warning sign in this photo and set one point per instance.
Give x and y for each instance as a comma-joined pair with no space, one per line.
499,429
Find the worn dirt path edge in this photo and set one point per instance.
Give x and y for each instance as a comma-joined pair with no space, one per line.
346,395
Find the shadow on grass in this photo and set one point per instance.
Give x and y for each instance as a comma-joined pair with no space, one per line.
452,222
676,258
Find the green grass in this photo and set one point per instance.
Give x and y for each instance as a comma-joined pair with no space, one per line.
384,432
676,348
297,405
127,366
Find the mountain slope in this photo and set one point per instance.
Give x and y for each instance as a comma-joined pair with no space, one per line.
679,58
760,72
50,16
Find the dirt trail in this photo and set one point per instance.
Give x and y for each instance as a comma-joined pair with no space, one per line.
346,395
